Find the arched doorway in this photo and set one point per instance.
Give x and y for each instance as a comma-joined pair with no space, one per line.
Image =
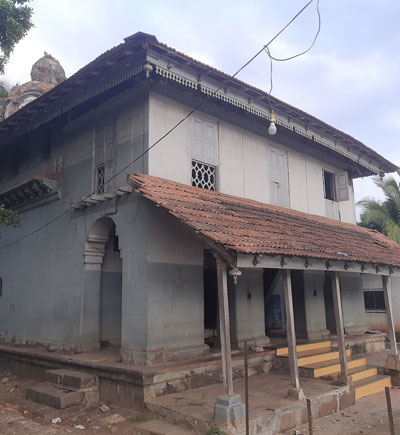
101,311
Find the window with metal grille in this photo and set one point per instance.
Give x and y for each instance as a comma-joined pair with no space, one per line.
374,301
100,178
203,175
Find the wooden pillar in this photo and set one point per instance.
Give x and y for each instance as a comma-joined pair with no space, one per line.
290,329
224,326
387,291
337,304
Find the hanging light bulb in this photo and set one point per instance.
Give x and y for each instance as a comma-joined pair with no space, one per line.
235,273
272,127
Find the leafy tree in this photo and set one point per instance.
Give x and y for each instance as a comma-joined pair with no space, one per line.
15,22
383,216
8,217
3,91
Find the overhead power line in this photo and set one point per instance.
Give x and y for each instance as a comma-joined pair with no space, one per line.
265,47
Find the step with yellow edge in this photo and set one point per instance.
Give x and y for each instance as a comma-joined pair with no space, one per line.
376,384
284,351
303,360
331,367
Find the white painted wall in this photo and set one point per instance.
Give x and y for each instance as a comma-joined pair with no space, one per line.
378,320
243,168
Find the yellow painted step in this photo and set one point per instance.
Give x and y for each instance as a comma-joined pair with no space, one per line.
335,368
320,357
373,387
283,351
364,374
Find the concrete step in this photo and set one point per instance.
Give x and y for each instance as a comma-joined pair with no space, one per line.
47,413
363,374
373,385
59,398
330,367
283,351
71,379
355,373
319,357
159,427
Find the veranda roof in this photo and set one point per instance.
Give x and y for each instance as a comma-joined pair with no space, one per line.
241,225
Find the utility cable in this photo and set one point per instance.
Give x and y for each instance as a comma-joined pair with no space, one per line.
41,227
271,58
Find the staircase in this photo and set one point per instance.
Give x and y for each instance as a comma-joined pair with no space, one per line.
318,360
61,390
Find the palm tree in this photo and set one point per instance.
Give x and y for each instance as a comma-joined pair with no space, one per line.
383,216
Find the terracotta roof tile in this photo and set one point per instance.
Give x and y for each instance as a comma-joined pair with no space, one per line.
248,226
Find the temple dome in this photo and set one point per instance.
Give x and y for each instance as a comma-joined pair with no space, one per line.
46,73
48,69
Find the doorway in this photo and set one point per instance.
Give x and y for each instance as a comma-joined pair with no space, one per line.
111,293
211,313
101,298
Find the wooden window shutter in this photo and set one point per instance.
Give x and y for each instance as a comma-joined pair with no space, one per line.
342,187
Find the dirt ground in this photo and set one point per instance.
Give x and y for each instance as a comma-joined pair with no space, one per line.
17,420
368,416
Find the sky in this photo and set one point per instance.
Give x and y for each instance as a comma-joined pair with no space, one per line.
350,79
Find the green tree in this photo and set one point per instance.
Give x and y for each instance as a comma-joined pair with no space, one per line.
15,22
383,216
8,217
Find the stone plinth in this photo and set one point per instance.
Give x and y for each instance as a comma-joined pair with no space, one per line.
229,411
393,362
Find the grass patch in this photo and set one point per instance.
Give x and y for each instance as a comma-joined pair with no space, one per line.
140,418
214,431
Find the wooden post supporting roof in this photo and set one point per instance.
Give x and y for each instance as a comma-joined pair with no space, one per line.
295,390
337,304
387,291
224,326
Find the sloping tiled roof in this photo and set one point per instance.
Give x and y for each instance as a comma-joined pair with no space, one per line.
247,226
118,65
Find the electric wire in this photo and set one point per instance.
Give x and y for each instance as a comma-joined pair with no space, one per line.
271,58
305,51
65,212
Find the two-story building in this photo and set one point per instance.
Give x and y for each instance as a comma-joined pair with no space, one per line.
107,258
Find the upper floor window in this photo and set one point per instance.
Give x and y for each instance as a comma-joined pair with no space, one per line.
204,154
336,186
104,157
279,178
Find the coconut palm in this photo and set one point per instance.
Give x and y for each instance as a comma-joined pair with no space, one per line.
383,216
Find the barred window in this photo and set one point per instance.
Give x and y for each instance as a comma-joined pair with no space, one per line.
100,179
203,175
374,300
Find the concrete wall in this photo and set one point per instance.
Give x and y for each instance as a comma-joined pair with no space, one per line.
249,306
44,275
378,320
315,304
243,168
355,321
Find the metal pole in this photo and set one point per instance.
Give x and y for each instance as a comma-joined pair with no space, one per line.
310,423
390,413
246,386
